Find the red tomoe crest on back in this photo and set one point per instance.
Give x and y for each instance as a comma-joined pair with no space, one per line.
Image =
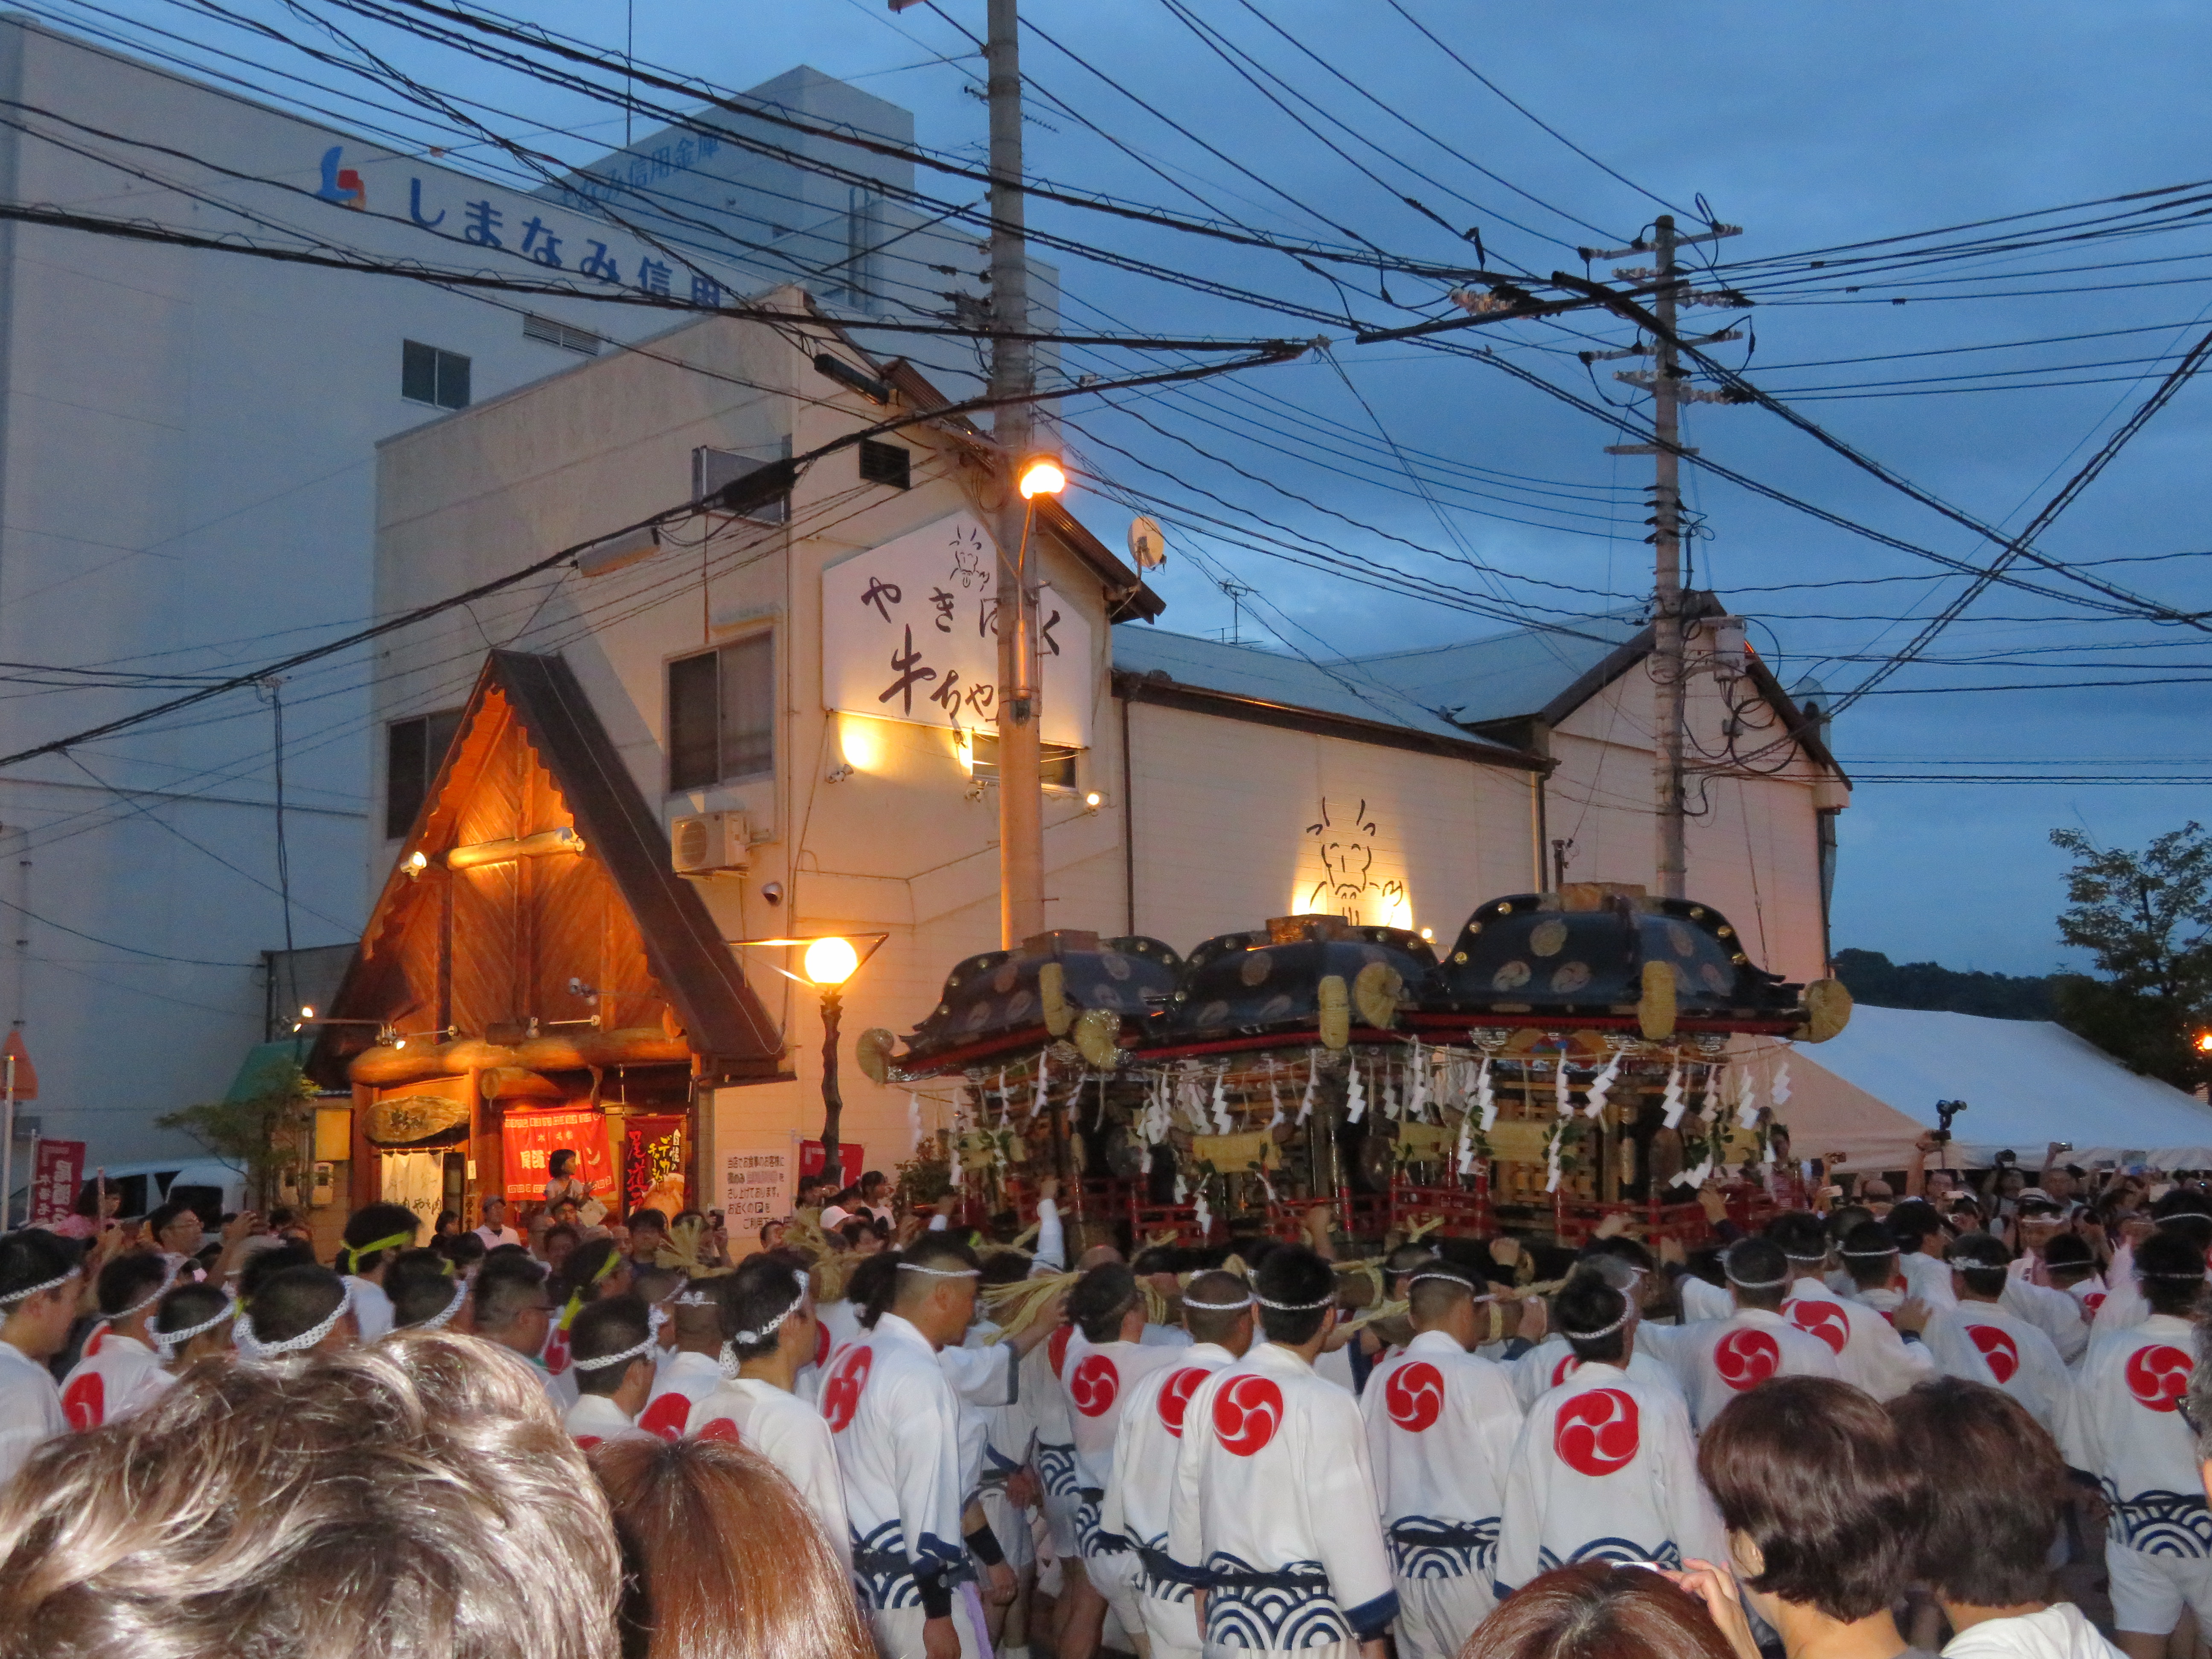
821,1344
557,1353
841,1394
1746,1357
1822,1319
1567,1367
1056,1347
720,1429
1594,1433
1415,1396
1175,1397
2094,1301
2158,1377
667,1416
1997,1348
586,1442
86,1402
1094,1385
1247,1412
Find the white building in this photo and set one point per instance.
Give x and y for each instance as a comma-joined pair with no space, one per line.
188,482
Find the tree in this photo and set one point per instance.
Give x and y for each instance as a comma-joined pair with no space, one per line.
2145,920
259,1133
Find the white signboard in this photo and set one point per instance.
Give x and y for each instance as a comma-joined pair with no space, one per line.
757,1187
910,632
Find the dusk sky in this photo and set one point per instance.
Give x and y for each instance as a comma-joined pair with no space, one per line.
1809,127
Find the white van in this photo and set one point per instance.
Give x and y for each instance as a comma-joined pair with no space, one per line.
209,1185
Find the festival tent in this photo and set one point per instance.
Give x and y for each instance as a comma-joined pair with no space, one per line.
1870,1092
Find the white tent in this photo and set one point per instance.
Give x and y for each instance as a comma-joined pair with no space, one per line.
1872,1091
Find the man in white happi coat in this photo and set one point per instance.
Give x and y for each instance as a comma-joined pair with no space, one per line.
1719,1358
2181,1212
1106,1359
1218,1311
1982,1341
1552,1361
768,1321
1882,1355
120,1372
2126,1429
1921,1234
1441,1427
611,1350
1604,1467
895,1423
693,1370
40,1285
1274,1512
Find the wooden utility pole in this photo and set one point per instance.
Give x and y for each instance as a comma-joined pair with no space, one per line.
1013,376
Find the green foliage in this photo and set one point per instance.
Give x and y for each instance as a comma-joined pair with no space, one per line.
1874,979
2146,919
261,1134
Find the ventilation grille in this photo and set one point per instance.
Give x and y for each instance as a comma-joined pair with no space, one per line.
582,340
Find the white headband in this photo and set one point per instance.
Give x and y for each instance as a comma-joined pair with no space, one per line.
1294,1307
13,1296
167,1341
1448,1279
438,1321
1219,1307
624,1358
1607,1330
762,1333
693,1299
940,1273
1790,1255
2184,1215
1728,1269
254,1348
1858,1256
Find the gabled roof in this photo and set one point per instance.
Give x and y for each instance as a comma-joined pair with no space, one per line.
538,698
1154,664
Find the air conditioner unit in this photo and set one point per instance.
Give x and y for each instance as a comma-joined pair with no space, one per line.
708,843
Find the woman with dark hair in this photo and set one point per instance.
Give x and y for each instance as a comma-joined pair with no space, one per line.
97,1204
724,1557
1596,1610
1824,1509
1995,1488
561,1181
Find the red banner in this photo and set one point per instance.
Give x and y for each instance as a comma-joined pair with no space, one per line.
529,1139
54,1183
851,1160
653,1155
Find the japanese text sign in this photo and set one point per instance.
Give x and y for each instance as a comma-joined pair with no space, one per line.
529,1139
55,1180
910,632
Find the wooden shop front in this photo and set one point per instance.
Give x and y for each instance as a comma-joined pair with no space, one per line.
534,976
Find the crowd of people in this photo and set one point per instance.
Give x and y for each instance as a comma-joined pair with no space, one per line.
1862,1431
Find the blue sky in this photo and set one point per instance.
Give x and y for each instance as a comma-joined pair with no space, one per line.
1808,126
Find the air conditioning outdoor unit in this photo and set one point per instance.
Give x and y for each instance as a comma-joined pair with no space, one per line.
708,843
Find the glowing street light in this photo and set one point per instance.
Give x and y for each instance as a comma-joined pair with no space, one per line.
1041,476
828,961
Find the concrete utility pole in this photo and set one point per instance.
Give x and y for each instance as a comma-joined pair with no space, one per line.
1021,791
1669,666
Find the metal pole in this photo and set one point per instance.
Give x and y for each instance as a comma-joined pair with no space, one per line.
1667,669
1021,801
8,1150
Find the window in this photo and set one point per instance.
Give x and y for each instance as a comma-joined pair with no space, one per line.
886,463
721,714
555,332
714,469
413,751
428,375
1056,763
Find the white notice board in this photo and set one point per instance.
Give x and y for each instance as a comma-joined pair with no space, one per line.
910,632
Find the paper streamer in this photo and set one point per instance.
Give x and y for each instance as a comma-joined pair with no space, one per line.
1780,1087
1036,1100
1222,1121
1313,1081
1601,1085
1355,1100
1485,1098
1673,1100
1274,1099
1560,1085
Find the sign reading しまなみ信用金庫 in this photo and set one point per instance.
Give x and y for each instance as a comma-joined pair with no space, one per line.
910,632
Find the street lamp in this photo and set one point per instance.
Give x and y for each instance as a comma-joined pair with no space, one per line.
829,961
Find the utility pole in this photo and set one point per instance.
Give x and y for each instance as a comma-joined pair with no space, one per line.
1021,792
1670,665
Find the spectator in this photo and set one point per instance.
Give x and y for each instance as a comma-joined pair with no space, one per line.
494,1231
562,1184
447,1225
561,1243
648,1231
725,1560
343,1508
1995,1487
1596,1610
1823,1510
97,1203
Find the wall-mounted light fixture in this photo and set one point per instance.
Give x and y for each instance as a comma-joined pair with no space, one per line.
545,843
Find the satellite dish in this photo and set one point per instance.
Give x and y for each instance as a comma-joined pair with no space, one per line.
1147,546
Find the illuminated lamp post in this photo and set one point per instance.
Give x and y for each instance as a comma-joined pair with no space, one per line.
829,961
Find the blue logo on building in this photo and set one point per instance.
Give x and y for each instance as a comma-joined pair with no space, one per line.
341,185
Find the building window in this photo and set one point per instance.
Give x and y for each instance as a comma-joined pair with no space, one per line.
1055,762
428,375
552,331
886,463
713,470
721,714
414,750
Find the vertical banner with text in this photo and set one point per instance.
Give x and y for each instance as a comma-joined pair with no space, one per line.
54,1180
